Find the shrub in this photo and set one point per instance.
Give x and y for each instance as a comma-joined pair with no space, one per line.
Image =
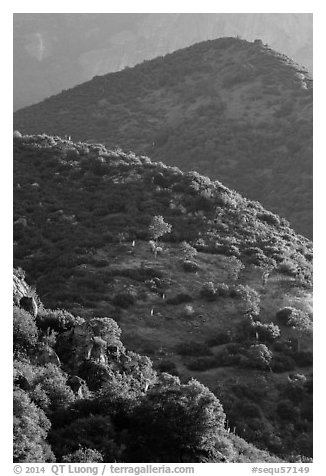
250,299
158,227
94,374
232,354
124,299
247,391
225,357
203,363
208,291
222,289
233,293
294,318
188,310
245,328
309,256
193,349
58,320
252,251
287,411
259,356
90,284
288,268
227,250
94,431
284,346
25,333
142,273
282,363
219,339
234,348
283,315
269,218
258,260
190,266
180,299
267,332
30,428
159,178
83,455
192,417
250,410
187,250
167,366
51,391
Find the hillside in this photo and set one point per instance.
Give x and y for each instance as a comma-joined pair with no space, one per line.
81,396
230,109
202,302
56,51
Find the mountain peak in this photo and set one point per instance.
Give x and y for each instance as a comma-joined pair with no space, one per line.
103,43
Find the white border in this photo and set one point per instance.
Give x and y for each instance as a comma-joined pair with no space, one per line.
168,6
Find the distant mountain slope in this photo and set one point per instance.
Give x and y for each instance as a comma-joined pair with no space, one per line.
202,302
227,108
56,51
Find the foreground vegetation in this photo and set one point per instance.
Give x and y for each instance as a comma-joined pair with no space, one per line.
80,396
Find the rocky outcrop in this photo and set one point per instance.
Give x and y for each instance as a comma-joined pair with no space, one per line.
48,356
29,304
92,341
20,287
23,294
77,385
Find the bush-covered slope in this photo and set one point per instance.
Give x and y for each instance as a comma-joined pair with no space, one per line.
81,396
233,110
201,300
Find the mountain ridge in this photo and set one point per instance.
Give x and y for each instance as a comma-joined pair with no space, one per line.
227,108
118,41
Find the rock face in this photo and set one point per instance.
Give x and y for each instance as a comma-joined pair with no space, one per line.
57,51
22,294
89,341
48,356
29,304
20,287
77,385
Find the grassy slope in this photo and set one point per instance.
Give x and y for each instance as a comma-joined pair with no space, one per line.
75,217
232,110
